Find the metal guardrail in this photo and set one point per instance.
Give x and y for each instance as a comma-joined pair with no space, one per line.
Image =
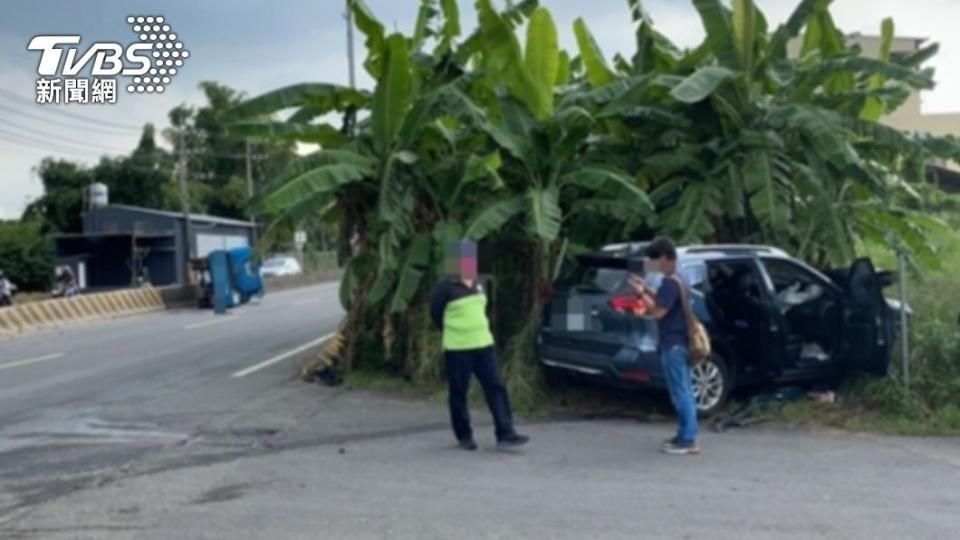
63,312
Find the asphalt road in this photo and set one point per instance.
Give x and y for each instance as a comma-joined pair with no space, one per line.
143,430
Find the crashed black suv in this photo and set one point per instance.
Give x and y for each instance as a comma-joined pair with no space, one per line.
772,319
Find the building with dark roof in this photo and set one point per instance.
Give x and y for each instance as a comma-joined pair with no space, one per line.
122,245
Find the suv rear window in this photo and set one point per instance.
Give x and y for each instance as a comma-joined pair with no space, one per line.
591,277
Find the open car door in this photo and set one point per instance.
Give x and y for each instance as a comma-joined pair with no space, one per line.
869,333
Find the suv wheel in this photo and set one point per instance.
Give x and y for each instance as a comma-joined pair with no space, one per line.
711,384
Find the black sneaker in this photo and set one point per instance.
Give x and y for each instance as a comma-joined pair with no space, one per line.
513,441
682,449
467,444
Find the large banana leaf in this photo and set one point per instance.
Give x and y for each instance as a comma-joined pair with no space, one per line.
451,26
621,211
323,180
601,177
791,29
504,61
767,200
564,73
544,213
394,93
543,58
745,32
886,136
824,213
874,108
414,266
320,97
597,71
373,29
321,158
824,36
325,135
716,21
493,216
863,66
823,130
480,167
903,226
916,58
701,84
654,51
513,15
445,100
307,114
422,28
513,131
690,217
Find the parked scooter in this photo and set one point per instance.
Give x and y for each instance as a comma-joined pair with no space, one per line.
7,291
66,284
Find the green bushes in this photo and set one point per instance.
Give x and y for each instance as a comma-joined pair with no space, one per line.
931,404
26,255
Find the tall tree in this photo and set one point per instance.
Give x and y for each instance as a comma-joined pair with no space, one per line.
144,178
61,205
217,162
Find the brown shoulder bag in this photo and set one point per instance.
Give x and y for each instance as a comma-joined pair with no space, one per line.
700,348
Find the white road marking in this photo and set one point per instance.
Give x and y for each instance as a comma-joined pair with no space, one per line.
303,290
29,361
281,357
219,320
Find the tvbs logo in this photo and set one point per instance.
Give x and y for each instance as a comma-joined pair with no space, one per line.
149,63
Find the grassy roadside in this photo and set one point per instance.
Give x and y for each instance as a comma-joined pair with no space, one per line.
28,297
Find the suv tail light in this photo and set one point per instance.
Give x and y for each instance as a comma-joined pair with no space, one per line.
627,303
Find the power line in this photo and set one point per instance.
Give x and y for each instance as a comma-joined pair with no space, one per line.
24,140
16,97
108,131
39,151
64,139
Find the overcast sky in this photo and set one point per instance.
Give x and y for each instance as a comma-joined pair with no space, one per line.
256,46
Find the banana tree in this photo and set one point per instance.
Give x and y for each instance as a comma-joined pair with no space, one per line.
772,142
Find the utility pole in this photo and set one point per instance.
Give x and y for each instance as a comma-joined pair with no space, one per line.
249,172
185,204
350,61
253,218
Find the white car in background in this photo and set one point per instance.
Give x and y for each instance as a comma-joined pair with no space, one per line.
278,266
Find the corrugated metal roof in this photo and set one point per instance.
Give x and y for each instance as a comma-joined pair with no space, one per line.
179,215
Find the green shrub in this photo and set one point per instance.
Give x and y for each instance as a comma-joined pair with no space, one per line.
889,396
26,255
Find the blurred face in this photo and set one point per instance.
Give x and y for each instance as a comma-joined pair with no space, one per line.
663,265
462,260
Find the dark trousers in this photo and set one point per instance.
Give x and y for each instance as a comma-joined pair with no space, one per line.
460,365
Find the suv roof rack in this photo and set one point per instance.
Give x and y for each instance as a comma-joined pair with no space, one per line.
748,248
627,249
